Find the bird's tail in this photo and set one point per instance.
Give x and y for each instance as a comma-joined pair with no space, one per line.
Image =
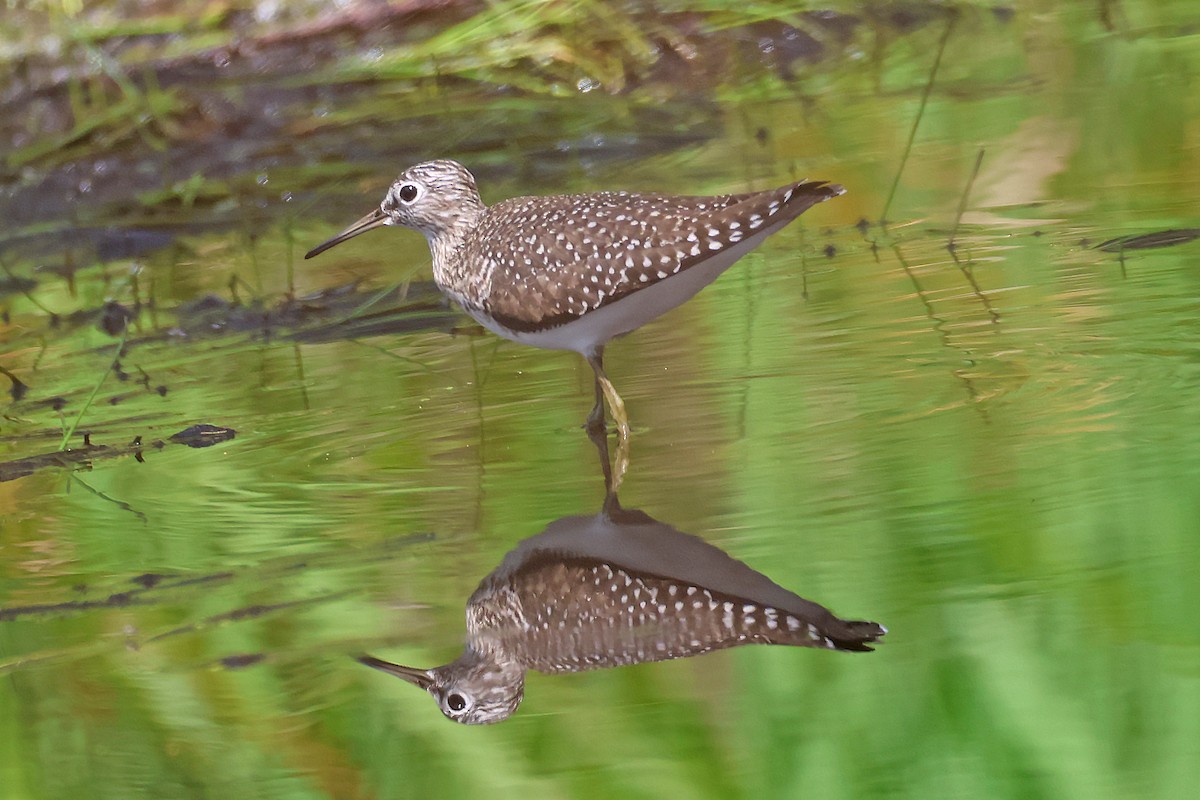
855,636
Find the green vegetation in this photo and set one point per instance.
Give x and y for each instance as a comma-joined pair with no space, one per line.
991,451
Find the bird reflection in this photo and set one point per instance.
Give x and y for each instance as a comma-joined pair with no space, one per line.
608,590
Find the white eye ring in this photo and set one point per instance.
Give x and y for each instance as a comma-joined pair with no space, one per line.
408,193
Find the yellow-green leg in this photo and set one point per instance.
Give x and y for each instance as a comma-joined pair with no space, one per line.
605,391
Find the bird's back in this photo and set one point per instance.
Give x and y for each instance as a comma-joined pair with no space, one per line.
550,260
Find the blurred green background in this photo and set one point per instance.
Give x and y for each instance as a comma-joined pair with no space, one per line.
993,450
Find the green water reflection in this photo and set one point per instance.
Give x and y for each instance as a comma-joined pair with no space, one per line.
999,458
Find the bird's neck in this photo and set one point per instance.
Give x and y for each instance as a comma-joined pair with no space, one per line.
446,243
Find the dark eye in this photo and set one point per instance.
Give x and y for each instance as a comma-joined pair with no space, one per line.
408,192
456,701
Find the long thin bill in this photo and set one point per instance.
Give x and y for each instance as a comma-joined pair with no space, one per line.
375,219
417,677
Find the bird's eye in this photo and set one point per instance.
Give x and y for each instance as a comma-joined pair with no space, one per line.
456,702
408,192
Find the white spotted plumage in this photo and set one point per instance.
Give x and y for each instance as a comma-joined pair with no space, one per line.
571,272
533,268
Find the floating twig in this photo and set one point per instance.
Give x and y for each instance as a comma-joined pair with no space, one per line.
1148,241
70,431
939,327
965,268
19,388
962,203
118,503
22,287
912,134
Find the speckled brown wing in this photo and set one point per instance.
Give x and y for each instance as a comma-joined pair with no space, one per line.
580,614
571,255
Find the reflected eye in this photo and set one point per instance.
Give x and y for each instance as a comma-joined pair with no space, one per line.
408,192
456,702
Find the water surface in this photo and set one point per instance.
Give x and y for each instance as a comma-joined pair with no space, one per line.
993,451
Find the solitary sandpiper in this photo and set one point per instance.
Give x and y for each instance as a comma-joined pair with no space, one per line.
608,590
571,272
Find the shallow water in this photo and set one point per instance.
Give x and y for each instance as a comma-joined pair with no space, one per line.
998,458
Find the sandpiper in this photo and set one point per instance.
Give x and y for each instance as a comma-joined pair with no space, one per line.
571,272
609,590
